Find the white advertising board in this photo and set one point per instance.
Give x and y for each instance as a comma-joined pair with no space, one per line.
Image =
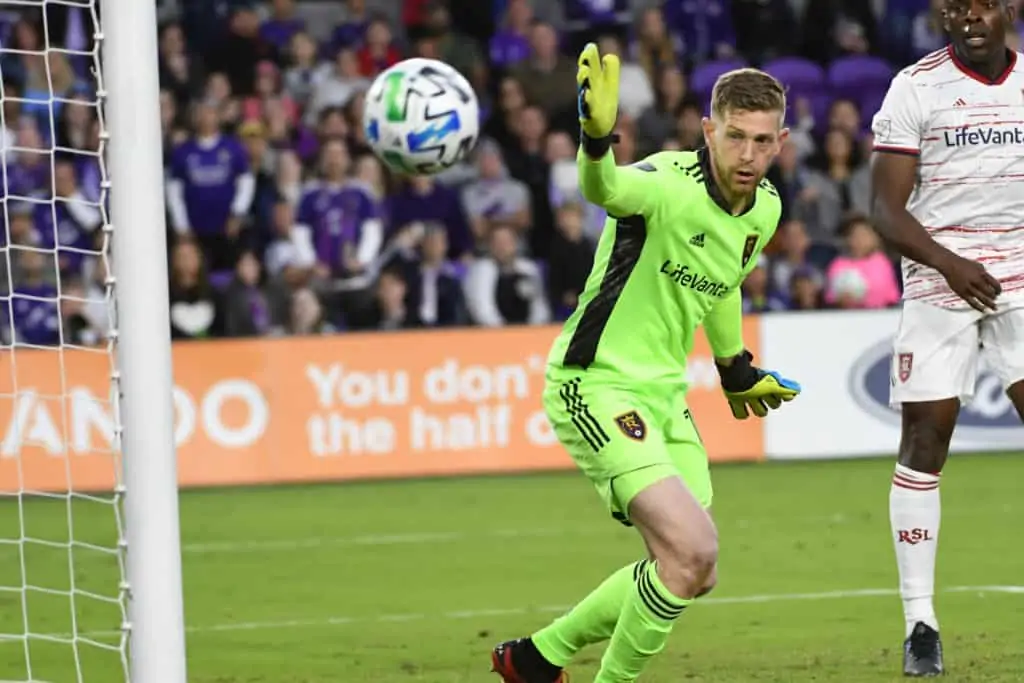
842,360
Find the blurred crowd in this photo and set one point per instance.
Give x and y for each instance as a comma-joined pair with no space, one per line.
281,221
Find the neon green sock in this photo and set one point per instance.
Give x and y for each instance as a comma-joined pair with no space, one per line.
648,614
591,621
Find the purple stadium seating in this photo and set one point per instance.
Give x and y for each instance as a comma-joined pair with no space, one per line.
803,79
703,78
861,78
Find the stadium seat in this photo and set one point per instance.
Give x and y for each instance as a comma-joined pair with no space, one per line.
802,79
703,78
861,78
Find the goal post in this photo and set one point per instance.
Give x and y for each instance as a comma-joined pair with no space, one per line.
130,86
90,550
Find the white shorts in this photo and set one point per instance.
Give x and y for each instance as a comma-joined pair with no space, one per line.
937,351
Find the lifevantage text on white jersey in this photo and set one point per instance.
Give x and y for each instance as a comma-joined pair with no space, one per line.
968,132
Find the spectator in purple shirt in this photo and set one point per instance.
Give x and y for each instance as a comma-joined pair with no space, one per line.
30,315
211,187
282,24
351,32
585,19
342,218
423,199
69,223
511,44
705,27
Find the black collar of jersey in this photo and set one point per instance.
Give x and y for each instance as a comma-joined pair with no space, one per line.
714,191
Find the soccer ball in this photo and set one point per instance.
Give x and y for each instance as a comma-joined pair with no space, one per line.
421,116
850,284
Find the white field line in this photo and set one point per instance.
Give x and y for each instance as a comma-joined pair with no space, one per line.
416,538
320,622
435,537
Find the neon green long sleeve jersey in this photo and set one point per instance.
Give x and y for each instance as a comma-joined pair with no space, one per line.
671,257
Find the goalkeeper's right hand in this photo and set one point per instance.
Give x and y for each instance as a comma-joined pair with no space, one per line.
597,84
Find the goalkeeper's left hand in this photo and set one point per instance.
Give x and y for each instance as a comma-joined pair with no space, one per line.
752,390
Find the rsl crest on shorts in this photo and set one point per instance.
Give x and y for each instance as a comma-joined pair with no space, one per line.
905,365
632,425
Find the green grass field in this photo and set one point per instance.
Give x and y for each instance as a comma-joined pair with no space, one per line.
400,582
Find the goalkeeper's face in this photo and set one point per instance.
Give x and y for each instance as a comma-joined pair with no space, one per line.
743,145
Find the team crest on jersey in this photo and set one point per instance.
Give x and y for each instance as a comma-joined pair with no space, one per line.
905,366
748,248
632,425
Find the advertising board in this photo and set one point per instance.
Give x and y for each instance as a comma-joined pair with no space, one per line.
349,406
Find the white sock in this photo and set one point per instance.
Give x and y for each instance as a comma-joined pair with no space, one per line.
914,512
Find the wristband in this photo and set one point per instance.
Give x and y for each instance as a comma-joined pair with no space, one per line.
739,375
595,148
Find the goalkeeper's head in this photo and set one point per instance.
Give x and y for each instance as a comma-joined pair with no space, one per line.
745,130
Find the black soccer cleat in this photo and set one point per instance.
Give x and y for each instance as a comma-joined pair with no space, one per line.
922,652
518,661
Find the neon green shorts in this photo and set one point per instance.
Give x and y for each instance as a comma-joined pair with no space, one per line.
624,440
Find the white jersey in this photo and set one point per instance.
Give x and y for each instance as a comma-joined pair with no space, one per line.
968,132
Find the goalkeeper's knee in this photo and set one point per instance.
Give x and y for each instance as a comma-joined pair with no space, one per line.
709,583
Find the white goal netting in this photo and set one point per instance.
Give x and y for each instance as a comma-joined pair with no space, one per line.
62,580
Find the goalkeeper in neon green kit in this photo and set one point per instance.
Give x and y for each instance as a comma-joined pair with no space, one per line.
684,229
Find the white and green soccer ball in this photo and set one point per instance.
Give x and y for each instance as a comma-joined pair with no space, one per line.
850,284
421,116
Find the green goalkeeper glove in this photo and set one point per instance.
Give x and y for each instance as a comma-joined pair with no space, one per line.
753,390
597,83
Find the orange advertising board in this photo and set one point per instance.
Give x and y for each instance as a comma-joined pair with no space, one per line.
349,406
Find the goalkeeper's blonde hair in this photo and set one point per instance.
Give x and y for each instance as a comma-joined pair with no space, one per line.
747,89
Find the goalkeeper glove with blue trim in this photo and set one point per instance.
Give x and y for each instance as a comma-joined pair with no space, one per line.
750,389
597,85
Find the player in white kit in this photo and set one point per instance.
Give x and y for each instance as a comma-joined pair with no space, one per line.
948,177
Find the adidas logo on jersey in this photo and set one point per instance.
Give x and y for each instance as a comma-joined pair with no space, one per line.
697,240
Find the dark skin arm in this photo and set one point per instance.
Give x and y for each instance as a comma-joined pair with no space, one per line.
893,177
